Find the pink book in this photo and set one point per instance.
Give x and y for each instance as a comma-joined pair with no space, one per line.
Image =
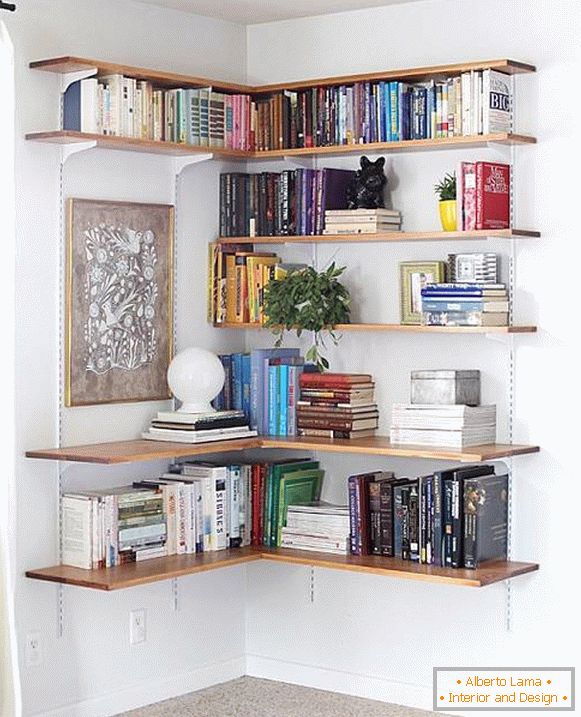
469,195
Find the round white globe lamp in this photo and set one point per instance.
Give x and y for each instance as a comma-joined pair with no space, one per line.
195,376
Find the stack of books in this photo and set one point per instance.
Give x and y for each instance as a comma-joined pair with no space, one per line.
104,528
361,221
280,204
337,405
264,385
483,196
321,527
479,304
454,426
439,519
198,427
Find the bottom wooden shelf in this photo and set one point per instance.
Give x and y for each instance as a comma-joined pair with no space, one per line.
175,566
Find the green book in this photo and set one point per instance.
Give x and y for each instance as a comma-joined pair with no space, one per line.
296,489
275,471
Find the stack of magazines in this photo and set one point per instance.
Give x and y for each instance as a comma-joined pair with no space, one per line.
456,426
198,427
319,526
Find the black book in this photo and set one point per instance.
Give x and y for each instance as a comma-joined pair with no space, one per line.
381,484
401,534
414,522
485,519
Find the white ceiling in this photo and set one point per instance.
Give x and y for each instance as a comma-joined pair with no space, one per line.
250,12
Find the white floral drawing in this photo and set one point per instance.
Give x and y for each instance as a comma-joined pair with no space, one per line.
121,291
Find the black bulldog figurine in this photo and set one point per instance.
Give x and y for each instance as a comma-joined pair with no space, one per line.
366,191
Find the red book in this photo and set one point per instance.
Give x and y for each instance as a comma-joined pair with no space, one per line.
492,195
333,379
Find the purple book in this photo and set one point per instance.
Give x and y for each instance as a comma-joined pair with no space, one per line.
334,190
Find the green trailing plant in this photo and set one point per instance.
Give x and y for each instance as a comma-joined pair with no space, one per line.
446,188
308,300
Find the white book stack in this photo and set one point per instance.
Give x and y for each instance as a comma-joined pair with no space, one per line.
454,426
198,427
361,221
321,527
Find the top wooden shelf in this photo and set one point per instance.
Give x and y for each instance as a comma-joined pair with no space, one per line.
69,63
142,450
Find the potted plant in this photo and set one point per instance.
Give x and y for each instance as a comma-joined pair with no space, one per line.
446,191
308,300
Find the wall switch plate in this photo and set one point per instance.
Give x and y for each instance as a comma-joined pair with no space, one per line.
136,627
33,649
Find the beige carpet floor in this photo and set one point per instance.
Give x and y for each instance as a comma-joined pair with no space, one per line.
251,697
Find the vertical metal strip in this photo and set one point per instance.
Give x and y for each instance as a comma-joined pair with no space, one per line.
60,394
312,584
176,189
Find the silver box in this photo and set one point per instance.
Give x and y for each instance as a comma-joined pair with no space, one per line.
446,387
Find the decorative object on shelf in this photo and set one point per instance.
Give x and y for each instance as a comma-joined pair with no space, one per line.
473,268
446,191
118,335
366,192
308,300
195,377
414,276
446,386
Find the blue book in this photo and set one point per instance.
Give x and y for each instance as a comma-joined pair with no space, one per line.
258,357
246,385
394,94
72,107
273,375
237,382
283,399
451,305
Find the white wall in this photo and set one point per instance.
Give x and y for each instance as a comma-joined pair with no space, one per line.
380,637
93,670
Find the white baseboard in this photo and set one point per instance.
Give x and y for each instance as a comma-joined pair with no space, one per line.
146,693
346,683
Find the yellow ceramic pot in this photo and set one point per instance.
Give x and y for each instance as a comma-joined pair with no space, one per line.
448,215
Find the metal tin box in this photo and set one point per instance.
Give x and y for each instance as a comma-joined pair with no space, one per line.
446,387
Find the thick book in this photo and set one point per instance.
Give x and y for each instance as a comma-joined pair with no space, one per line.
193,437
492,195
81,106
497,100
485,520
334,380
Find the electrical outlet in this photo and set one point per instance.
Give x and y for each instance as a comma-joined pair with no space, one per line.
33,649
136,627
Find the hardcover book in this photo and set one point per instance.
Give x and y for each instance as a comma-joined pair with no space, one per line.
492,195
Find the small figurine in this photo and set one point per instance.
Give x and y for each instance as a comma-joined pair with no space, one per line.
366,191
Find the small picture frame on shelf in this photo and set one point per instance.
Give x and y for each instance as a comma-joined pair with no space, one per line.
119,301
473,268
414,275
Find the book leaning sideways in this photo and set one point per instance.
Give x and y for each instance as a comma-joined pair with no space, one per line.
198,427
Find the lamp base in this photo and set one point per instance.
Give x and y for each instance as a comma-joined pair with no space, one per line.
198,407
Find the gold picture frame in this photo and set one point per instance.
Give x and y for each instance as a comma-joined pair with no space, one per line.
118,302
414,275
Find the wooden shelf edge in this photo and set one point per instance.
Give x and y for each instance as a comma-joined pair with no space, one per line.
141,450
405,328
134,144
385,237
175,566
71,63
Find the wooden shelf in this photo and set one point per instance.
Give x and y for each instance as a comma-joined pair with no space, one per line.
132,144
385,237
142,450
403,328
68,63
175,566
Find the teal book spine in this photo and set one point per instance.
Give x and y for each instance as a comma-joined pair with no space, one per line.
283,400
273,373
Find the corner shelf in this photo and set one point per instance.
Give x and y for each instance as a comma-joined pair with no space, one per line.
435,235
143,450
405,328
175,566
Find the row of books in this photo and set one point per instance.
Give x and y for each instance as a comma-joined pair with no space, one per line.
456,518
184,427
473,103
483,195
337,405
264,384
123,106
280,204
459,304
237,277
454,426
200,507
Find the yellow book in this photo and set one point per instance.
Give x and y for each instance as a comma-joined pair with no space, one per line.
231,288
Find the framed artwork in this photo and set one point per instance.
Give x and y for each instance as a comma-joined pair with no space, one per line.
119,295
414,275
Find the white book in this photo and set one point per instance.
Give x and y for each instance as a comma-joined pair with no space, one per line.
193,437
90,105
361,228
77,528
497,99
181,417
451,439
114,86
466,91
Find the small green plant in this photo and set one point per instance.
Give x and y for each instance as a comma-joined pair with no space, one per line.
308,300
446,188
